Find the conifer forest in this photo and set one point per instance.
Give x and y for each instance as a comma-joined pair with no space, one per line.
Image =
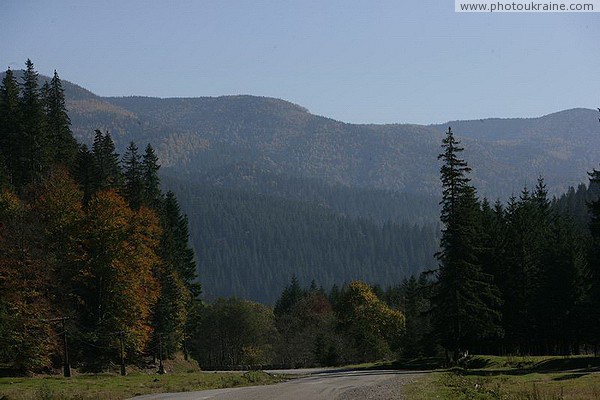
105,251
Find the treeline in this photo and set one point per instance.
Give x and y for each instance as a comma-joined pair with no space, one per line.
89,245
575,203
307,327
250,245
520,278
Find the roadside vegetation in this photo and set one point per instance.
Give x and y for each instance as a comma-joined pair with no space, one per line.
513,378
112,386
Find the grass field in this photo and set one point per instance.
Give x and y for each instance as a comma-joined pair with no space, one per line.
109,386
486,377
513,378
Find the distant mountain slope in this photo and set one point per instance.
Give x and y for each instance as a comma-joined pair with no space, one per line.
561,146
216,135
377,205
251,245
226,135
278,137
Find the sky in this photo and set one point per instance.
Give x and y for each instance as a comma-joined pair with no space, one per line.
402,61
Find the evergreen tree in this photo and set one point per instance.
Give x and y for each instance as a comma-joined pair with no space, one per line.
152,195
10,123
466,301
594,261
133,188
527,230
107,173
175,249
177,277
34,150
85,173
291,295
171,312
416,341
559,303
59,123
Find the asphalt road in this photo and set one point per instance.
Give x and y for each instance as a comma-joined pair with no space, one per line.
330,385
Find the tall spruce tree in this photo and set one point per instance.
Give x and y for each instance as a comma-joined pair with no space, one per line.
59,123
10,123
527,230
594,262
177,277
107,173
34,150
85,173
466,301
133,188
152,195
175,249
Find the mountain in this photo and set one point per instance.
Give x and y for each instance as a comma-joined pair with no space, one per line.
561,147
224,136
246,139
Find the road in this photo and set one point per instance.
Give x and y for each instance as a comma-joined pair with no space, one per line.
329,385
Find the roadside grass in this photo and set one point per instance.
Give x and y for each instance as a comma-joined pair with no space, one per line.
112,387
418,364
513,378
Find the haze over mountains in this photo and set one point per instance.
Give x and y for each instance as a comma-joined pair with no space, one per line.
244,167
232,136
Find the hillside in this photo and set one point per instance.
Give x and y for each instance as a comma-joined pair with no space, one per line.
233,139
250,245
221,136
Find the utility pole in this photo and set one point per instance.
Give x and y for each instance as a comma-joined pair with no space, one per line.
66,365
123,372
161,367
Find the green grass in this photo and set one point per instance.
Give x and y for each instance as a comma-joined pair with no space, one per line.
513,378
537,363
109,386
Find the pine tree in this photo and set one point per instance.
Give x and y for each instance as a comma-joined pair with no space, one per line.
133,188
177,277
417,329
10,123
152,195
559,304
34,149
527,229
594,261
59,123
175,249
466,301
291,295
85,173
107,173
171,312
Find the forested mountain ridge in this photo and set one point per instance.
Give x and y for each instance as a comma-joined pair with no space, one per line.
249,245
225,135
216,135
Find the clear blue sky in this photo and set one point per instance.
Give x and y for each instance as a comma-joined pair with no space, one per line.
357,61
